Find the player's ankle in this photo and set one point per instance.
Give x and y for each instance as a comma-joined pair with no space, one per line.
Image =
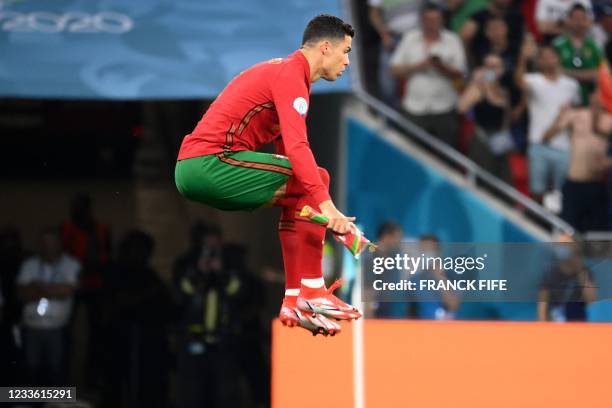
290,297
312,283
312,287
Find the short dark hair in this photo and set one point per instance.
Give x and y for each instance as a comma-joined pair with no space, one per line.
429,6
51,231
495,19
547,47
325,26
429,237
388,228
576,7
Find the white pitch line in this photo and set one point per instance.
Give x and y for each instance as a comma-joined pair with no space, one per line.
358,349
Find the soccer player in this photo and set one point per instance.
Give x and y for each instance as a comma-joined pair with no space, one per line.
218,165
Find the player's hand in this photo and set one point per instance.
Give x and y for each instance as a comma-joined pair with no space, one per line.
341,224
338,222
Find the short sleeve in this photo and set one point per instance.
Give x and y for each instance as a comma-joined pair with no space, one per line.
401,55
531,81
458,53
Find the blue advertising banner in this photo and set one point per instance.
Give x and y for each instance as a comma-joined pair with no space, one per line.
395,186
145,49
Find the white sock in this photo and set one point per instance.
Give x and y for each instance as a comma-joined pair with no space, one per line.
292,292
313,283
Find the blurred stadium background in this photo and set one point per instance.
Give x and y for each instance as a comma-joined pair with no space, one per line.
95,98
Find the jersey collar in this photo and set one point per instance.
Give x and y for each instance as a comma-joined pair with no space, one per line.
297,54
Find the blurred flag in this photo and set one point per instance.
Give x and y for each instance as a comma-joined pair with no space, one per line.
605,86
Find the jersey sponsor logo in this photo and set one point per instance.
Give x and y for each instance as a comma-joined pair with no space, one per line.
300,105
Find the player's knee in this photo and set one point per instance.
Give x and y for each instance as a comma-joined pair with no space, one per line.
324,176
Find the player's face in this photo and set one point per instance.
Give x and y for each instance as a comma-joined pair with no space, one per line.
336,58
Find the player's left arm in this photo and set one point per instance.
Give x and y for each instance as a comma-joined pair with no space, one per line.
291,99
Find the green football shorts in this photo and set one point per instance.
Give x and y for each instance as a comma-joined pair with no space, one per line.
232,181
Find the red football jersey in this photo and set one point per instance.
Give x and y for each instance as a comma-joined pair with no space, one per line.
267,100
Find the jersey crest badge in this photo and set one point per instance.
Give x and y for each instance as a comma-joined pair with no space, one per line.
300,105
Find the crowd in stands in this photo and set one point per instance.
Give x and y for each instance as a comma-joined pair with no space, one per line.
511,84
83,310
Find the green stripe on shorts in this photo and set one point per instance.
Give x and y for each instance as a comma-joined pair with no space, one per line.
232,181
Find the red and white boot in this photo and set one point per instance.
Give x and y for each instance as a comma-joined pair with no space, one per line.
291,316
322,301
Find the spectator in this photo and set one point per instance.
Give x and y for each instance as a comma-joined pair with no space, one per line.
602,31
391,19
579,54
473,32
88,240
490,102
247,335
389,245
547,92
452,9
550,15
585,196
431,59
567,286
496,33
440,305
11,258
207,365
136,317
461,13
46,284
204,255
390,236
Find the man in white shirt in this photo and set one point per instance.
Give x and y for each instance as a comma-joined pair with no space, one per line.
548,92
550,14
430,59
46,284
